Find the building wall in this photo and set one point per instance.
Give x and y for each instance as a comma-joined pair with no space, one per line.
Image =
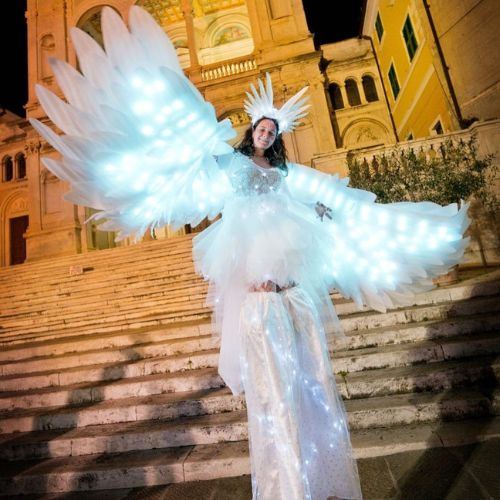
424,96
366,122
469,35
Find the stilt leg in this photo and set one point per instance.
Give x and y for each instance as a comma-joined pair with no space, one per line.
269,361
323,429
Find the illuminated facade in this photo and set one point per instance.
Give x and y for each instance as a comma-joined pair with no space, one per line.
387,86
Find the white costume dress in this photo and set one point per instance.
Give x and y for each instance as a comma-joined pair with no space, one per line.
274,345
141,145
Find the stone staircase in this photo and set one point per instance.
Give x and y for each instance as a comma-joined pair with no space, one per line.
108,374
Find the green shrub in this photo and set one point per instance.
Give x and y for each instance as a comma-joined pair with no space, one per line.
448,174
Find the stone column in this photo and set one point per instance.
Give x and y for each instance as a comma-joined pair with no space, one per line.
194,64
54,228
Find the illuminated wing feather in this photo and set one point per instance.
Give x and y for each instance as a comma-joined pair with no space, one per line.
139,142
382,254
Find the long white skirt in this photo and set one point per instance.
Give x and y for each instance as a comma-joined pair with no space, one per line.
298,433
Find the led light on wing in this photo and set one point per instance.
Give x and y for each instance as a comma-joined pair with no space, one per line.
314,186
383,217
147,130
159,85
365,212
177,104
137,82
338,200
432,243
142,107
402,223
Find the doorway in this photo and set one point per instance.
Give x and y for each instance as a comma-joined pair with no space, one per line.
18,226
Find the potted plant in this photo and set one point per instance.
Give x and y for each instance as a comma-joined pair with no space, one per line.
451,173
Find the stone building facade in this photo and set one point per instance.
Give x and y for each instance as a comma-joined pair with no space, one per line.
223,46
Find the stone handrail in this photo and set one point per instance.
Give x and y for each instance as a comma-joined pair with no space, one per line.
219,70
488,133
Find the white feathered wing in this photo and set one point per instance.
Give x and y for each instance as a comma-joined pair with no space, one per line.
139,142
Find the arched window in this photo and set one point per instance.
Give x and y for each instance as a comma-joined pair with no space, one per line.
351,88
7,169
335,96
20,166
369,89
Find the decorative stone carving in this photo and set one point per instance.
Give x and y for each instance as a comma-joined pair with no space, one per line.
20,205
238,118
32,147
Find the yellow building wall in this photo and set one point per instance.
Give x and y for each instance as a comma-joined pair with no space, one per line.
423,97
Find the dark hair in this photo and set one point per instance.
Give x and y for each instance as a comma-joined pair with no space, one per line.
275,155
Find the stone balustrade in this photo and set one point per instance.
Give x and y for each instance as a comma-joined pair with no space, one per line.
488,134
219,70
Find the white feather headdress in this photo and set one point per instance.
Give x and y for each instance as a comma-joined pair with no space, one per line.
259,105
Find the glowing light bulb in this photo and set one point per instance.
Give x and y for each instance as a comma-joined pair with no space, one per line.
142,107
383,218
147,130
159,85
137,82
177,104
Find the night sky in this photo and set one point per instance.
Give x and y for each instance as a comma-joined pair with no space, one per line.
338,22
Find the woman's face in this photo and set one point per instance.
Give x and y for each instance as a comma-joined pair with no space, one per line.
264,134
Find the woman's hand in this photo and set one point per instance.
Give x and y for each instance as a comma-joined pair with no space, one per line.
323,210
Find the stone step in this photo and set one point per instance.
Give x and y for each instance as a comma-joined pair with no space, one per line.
151,407
91,393
113,292
488,285
195,463
365,412
429,351
476,344
197,336
229,426
137,255
78,287
483,371
47,296
81,344
110,289
438,376
379,381
113,371
126,322
136,318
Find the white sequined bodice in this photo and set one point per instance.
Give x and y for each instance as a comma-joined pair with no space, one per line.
250,179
